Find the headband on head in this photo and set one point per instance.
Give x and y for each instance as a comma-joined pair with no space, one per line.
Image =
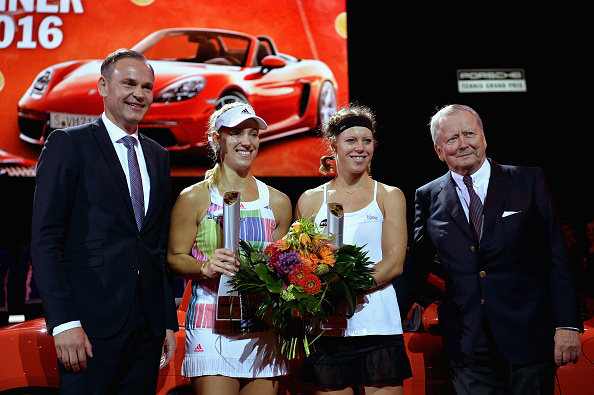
352,122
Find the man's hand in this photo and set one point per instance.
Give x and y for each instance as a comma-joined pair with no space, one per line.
567,346
169,345
73,348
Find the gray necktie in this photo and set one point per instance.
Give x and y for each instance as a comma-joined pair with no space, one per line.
136,192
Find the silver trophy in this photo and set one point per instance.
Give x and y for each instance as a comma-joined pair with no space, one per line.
335,217
228,302
336,323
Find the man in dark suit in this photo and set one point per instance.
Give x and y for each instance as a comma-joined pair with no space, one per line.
100,225
510,314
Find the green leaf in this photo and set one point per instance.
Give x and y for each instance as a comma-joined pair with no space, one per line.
264,274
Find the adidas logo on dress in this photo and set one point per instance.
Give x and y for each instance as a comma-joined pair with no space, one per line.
198,348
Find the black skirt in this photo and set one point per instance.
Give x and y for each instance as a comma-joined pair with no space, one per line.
340,362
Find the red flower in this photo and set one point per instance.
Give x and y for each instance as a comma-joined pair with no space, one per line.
311,284
271,249
299,274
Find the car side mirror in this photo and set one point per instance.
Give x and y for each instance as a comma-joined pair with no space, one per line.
272,62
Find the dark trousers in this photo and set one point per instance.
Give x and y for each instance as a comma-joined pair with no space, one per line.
127,363
489,373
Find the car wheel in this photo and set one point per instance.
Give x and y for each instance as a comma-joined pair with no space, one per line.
231,97
326,102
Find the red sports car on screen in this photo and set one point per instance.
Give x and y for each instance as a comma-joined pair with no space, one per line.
196,71
28,362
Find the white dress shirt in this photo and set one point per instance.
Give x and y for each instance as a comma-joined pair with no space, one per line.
115,134
480,182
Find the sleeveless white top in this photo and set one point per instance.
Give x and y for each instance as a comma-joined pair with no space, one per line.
377,312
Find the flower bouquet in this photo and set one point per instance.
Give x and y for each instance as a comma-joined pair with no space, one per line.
301,279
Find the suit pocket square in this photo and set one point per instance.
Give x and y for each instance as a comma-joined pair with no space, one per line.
508,213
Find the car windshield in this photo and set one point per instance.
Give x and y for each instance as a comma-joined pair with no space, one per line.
201,47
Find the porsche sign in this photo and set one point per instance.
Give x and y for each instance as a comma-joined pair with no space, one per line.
491,80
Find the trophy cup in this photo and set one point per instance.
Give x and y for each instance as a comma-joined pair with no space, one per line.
335,216
228,311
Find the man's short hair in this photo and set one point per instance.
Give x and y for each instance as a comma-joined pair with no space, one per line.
109,64
450,109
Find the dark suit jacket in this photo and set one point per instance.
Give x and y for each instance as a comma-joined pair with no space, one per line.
520,277
88,256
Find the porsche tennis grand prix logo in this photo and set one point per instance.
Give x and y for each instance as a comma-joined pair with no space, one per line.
491,80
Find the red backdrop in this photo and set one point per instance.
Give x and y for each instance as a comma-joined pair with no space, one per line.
38,34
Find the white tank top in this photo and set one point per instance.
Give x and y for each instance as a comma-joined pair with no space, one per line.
377,312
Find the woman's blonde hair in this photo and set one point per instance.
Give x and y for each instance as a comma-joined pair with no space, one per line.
330,130
213,176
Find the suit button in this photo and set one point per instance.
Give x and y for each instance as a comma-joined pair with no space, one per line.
472,249
135,269
482,273
482,301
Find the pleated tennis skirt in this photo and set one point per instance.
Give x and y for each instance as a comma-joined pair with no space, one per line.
250,355
340,362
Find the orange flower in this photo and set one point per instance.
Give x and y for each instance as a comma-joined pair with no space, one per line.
326,255
311,284
282,244
296,226
279,245
304,239
309,260
318,242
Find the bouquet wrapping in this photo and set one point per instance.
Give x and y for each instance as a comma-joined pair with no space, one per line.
302,279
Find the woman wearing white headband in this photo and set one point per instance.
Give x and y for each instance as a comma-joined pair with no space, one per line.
223,363
369,355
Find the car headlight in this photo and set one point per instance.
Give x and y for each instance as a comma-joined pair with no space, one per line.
41,82
181,90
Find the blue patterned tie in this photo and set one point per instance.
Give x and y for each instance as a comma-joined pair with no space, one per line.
136,192
475,210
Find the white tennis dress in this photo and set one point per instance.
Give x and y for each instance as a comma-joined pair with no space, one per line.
377,311
250,355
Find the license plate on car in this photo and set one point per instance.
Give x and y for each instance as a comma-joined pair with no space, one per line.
60,120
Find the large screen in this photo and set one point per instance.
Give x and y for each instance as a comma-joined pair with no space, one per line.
287,59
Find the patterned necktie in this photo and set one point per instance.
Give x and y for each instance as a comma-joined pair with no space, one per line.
475,210
136,192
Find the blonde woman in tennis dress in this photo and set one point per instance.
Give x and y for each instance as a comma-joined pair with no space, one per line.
220,362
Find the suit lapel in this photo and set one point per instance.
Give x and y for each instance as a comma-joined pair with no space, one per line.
497,192
113,162
452,204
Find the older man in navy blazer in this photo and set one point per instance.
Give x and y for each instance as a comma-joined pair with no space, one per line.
99,241
510,314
